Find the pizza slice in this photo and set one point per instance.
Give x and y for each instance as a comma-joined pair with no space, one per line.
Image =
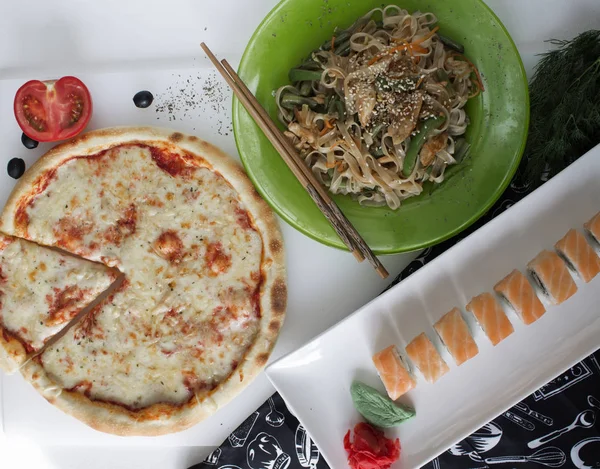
41,291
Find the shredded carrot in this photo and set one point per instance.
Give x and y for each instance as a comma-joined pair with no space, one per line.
427,36
340,166
418,48
408,48
336,143
473,68
420,81
332,43
329,165
393,50
411,48
328,126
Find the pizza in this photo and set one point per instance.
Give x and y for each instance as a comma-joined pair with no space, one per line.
203,293
41,291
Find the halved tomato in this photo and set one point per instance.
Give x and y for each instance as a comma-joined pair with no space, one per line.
53,110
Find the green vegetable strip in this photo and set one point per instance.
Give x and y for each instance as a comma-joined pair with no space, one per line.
375,132
343,49
417,142
331,106
343,36
310,65
442,75
298,74
305,88
458,47
341,109
291,101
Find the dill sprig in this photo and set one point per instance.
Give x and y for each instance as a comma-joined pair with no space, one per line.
565,106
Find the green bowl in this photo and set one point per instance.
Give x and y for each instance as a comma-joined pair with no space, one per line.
498,130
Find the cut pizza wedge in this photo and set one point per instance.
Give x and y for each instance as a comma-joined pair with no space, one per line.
41,291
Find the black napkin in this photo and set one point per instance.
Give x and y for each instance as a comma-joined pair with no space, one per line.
270,438
557,426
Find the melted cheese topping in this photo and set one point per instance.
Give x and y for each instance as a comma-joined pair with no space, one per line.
41,289
188,309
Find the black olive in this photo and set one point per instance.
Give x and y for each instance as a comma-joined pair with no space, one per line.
143,99
16,168
28,141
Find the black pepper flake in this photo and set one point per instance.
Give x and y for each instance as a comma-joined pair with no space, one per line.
181,100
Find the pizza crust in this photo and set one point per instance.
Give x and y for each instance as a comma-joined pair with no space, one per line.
162,418
12,352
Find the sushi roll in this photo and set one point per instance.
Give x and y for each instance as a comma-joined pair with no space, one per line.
593,227
552,275
579,255
455,335
518,292
393,372
426,358
491,317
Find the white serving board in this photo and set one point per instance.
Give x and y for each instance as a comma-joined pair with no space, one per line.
190,98
315,380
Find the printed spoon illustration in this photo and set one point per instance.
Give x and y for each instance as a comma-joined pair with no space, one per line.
532,413
550,457
274,417
483,440
594,402
593,449
585,419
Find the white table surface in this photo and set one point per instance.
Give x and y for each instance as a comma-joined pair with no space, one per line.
41,39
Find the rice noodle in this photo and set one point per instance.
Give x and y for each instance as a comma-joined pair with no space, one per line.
370,79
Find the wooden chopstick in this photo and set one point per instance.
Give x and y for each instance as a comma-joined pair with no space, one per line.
292,159
308,179
312,191
346,226
334,215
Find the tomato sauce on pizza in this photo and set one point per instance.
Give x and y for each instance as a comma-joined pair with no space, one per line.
203,295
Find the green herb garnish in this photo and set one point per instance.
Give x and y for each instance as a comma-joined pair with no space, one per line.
565,106
377,409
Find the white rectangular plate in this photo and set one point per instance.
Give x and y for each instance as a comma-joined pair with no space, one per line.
315,379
